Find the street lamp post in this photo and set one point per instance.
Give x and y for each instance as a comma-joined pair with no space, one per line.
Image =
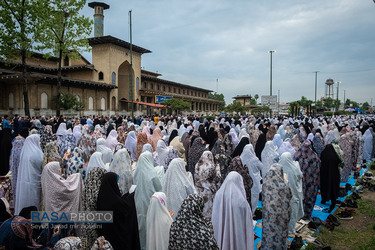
271,52
337,97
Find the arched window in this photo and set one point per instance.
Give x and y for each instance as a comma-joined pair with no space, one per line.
91,103
137,83
102,103
11,100
43,101
151,86
144,85
163,88
113,103
113,78
101,75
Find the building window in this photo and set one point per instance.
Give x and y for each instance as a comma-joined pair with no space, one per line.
43,101
11,100
113,78
151,86
163,88
101,76
91,103
169,89
187,91
66,61
137,83
145,85
102,104
158,87
179,91
174,90
183,91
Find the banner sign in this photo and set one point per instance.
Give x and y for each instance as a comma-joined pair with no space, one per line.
160,99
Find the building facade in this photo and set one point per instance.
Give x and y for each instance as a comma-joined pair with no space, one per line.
106,86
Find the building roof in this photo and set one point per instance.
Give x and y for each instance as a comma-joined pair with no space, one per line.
75,82
242,96
150,73
104,5
41,69
118,42
154,79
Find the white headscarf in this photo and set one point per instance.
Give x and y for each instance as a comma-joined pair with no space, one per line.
62,129
231,215
277,141
101,147
294,175
255,166
235,139
95,161
161,154
77,132
121,165
60,194
286,147
177,185
368,144
243,133
111,140
269,157
158,222
182,130
29,172
147,181
281,131
131,144
147,147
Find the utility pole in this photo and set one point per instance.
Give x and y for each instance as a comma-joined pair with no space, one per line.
344,97
271,52
337,97
131,65
316,84
278,103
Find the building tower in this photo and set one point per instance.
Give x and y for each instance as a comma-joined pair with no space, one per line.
329,88
98,17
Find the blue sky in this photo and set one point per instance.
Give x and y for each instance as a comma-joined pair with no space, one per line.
196,42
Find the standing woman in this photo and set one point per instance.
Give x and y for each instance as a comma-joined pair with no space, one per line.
17,145
310,167
130,144
147,181
294,176
29,172
158,222
259,146
254,166
60,194
196,150
231,215
121,165
276,209
123,232
89,201
141,140
207,180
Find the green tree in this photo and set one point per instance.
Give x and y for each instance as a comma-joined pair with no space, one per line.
253,101
261,110
177,104
347,103
365,106
17,32
69,101
219,97
319,104
63,32
235,107
329,103
256,96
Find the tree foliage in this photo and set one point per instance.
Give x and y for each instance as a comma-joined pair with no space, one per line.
365,106
69,101
329,103
177,104
261,110
235,107
17,35
219,97
63,31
